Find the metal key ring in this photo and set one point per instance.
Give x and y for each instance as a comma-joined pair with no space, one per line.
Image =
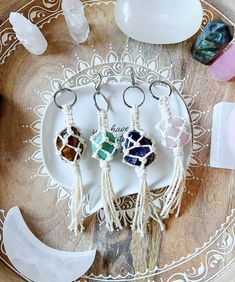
161,83
98,93
97,84
60,91
132,87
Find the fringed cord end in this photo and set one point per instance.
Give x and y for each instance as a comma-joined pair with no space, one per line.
156,216
109,198
174,193
76,202
142,204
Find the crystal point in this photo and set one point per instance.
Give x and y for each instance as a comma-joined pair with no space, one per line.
28,34
76,21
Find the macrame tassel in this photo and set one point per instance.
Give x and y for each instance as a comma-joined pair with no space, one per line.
139,151
109,198
105,146
76,198
174,192
142,201
154,214
175,135
142,204
76,201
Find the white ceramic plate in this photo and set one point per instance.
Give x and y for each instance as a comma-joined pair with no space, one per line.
125,181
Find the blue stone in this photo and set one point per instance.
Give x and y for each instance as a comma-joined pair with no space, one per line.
134,135
145,141
132,161
150,159
212,41
140,151
134,155
128,144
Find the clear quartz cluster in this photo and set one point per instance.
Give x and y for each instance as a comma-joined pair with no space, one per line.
76,21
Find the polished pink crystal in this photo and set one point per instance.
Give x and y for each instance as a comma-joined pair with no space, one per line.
223,69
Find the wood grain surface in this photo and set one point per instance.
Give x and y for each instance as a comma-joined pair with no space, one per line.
205,207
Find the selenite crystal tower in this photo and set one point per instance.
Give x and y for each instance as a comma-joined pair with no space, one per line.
76,21
28,34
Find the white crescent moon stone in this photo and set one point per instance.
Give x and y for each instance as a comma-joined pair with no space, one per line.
159,21
37,261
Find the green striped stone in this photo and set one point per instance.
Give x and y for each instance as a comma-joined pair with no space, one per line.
108,148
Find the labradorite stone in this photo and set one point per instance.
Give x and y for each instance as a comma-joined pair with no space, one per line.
212,41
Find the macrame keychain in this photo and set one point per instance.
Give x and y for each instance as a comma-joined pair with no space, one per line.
139,152
175,134
105,149
70,147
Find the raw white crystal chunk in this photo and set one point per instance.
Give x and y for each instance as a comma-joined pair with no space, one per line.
28,34
76,21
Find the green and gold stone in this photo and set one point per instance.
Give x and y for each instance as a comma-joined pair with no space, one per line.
104,145
212,41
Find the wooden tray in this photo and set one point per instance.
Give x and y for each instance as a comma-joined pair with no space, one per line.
199,245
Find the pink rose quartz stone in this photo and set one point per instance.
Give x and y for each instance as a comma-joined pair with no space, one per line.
223,69
177,132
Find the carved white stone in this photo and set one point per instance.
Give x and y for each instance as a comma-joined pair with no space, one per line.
159,21
35,260
28,34
76,21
